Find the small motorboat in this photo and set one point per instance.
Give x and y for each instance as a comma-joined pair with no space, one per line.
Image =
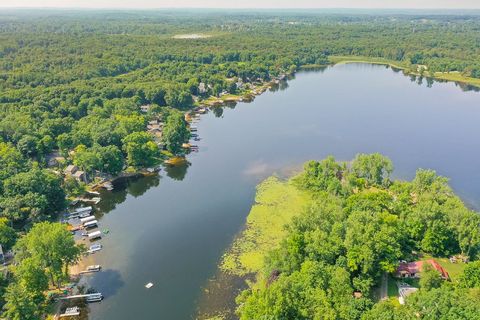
94,248
84,214
94,268
95,297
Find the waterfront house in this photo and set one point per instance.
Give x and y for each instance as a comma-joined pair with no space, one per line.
70,170
239,84
55,161
80,175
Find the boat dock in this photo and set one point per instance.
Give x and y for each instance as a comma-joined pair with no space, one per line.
94,235
70,312
90,224
91,297
87,219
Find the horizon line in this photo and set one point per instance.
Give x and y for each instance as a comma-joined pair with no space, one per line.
239,8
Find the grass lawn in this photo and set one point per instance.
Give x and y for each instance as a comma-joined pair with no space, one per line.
392,287
452,76
453,269
360,59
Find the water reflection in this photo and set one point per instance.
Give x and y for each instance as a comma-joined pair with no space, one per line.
177,172
110,281
217,111
136,186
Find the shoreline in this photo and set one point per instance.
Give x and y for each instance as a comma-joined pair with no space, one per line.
455,77
217,102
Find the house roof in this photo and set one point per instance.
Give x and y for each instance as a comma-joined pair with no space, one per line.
71,169
79,174
417,266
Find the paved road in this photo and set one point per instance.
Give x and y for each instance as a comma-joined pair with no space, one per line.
384,287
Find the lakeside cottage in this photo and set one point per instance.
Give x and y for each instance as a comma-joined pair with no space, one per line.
55,161
239,84
80,175
414,269
70,170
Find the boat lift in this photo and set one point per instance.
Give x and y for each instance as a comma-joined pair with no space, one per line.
90,224
70,312
87,219
94,235
91,297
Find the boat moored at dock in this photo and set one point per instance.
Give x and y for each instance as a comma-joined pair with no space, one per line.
90,224
95,235
94,248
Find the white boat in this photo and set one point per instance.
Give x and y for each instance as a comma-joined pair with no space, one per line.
87,219
95,297
83,209
84,214
90,224
70,312
149,285
95,247
95,235
94,268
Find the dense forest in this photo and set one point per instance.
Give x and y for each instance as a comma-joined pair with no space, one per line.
357,228
74,84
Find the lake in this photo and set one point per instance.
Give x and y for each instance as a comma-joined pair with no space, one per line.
172,230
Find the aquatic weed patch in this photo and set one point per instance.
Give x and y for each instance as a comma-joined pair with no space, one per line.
276,203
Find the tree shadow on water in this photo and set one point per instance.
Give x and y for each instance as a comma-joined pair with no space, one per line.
108,282
177,172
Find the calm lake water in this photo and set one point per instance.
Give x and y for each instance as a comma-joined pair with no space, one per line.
172,230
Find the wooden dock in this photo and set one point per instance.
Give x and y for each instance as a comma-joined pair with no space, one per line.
91,296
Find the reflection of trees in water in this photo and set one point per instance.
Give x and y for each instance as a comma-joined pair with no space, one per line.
283,85
467,87
274,87
217,112
430,81
314,69
177,172
136,186
230,104
420,80
140,186
396,70
108,282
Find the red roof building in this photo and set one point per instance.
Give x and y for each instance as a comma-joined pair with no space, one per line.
414,269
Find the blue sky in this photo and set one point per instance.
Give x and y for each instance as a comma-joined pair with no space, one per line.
435,4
